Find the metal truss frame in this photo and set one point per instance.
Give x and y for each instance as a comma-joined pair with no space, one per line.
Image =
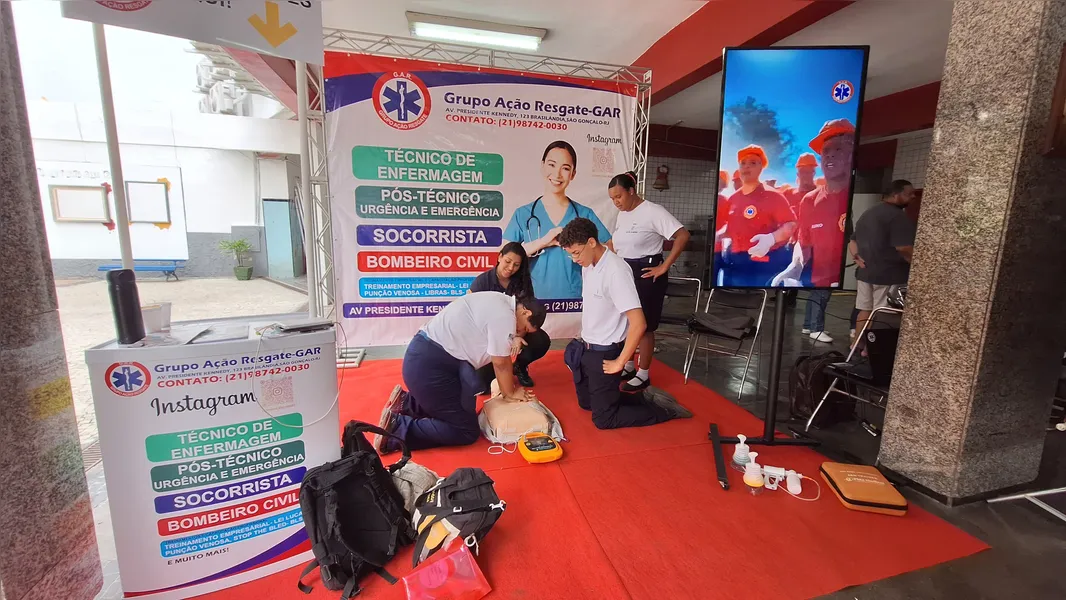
339,40
320,196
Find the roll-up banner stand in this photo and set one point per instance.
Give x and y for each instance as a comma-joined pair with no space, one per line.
433,167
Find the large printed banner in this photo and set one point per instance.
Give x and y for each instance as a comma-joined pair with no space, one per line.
205,447
434,167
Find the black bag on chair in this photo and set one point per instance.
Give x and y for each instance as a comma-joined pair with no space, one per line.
808,382
354,514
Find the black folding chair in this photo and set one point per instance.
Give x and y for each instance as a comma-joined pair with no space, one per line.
731,329
682,288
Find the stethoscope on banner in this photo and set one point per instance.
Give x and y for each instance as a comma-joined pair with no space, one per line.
533,216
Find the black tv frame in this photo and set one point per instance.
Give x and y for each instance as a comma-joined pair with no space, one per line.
855,152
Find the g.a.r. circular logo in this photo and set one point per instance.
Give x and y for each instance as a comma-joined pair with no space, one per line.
401,100
124,5
750,212
843,221
843,91
127,378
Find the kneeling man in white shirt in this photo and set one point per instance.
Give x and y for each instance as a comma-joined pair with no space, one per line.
440,370
612,325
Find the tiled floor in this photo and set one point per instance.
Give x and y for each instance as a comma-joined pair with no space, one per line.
1028,545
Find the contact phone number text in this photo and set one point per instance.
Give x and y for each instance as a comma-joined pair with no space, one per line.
527,123
266,372
562,306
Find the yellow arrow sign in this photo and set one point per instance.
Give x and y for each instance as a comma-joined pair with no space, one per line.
271,29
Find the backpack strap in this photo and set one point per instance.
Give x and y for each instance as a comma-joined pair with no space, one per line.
351,589
300,585
389,577
483,506
353,441
361,427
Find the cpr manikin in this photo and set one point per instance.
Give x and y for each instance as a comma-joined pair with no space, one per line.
503,421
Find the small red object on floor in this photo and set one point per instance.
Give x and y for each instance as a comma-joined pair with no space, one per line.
450,574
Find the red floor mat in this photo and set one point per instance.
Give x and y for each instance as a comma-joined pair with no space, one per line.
367,388
542,547
672,532
641,507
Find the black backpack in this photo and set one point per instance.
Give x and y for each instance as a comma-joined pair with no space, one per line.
464,504
808,382
354,514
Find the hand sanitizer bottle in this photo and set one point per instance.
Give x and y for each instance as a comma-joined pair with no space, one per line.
740,454
753,474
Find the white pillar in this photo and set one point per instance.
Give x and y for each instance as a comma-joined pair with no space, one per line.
310,250
122,216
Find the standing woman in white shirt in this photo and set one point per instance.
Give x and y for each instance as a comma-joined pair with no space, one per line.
639,235
612,325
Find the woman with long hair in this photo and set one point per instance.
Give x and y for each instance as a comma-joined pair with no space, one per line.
537,225
643,227
511,276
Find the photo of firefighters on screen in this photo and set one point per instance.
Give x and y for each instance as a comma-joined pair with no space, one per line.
788,137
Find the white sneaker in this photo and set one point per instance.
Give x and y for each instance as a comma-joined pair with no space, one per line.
805,331
821,336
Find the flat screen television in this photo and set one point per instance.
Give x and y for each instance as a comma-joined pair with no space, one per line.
787,144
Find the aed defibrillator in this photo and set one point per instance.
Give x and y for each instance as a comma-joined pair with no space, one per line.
539,448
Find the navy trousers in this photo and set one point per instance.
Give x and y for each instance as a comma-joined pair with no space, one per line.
599,392
739,270
441,407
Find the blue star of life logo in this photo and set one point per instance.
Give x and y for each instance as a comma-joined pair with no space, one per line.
402,100
404,104
843,91
127,379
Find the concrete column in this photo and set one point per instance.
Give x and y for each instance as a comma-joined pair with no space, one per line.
47,536
985,327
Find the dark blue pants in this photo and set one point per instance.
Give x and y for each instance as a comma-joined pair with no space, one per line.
739,270
441,407
599,392
814,318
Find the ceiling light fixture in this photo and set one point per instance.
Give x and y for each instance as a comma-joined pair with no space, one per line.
481,33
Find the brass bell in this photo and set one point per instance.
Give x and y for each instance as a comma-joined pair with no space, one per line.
662,181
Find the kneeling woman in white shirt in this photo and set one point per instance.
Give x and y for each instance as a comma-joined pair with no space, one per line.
638,238
612,325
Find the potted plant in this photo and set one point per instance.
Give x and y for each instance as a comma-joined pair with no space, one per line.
239,248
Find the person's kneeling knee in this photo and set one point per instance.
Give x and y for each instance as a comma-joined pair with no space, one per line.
601,422
466,437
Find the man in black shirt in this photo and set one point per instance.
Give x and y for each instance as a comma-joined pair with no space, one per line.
882,249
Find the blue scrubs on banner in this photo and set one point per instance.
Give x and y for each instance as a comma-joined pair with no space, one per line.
555,276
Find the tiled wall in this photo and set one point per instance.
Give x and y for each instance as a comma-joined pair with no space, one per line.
912,157
693,190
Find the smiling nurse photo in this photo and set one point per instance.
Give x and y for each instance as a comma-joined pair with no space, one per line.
537,226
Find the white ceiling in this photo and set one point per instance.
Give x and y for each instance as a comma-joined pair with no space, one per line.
610,31
908,40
